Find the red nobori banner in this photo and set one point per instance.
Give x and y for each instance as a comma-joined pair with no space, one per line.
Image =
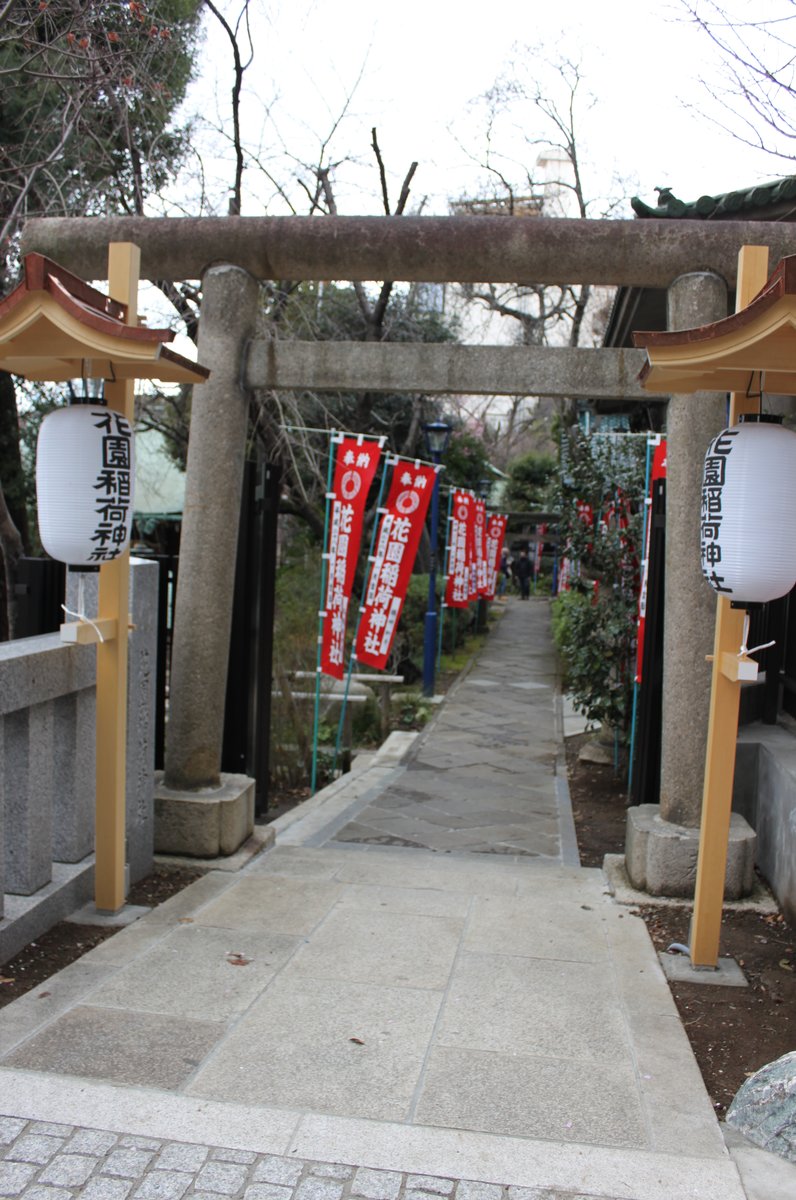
355,465
460,550
396,547
480,565
495,534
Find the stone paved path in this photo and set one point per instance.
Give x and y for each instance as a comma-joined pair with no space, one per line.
418,980
44,1161
488,776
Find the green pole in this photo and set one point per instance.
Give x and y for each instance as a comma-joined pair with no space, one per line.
333,437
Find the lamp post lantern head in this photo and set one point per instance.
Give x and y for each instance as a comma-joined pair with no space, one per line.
438,435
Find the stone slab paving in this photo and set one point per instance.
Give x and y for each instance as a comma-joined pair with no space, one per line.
486,777
465,1016
462,1003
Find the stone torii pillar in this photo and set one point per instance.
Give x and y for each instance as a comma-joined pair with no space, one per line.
663,841
199,811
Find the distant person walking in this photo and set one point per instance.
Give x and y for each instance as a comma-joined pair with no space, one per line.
523,569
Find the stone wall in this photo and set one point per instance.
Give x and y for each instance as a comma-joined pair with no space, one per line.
47,785
765,794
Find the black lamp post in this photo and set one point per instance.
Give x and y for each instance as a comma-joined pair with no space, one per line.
437,438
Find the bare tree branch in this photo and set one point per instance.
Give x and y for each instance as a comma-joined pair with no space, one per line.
756,103
382,173
235,203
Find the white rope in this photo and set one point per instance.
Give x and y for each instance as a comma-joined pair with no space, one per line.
81,604
744,650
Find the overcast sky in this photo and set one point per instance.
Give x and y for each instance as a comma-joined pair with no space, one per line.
414,70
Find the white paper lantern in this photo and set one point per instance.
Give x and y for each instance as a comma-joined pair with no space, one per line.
84,484
748,530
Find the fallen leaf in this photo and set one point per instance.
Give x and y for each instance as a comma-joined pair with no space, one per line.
186,921
43,995
357,1041
7,979
238,960
785,964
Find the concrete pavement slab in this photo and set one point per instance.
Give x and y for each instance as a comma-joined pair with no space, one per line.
201,973
534,1007
300,862
527,1162
28,1014
431,901
416,868
150,1049
191,900
502,925
289,906
328,1045
522,1096
666,1068
361,946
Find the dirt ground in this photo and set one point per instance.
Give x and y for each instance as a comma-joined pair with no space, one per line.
733,1031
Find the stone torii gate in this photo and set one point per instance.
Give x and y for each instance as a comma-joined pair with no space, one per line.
696,261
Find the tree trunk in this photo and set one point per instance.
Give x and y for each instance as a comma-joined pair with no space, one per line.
11,472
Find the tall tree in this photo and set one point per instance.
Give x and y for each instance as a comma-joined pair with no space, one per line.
88,92
531,165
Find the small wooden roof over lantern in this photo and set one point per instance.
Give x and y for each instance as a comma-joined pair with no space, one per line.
55,327
752,351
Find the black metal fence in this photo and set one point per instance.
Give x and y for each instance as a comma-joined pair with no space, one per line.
39,593
246,745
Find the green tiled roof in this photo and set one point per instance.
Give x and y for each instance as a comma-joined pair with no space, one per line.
726,205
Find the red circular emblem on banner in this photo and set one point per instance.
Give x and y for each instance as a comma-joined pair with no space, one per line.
350,485
406,503
461,512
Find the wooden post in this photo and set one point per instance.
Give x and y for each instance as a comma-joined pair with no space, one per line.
724,704
114,581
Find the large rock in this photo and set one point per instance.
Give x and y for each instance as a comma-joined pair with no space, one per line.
764,1109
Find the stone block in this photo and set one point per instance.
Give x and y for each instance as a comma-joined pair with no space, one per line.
207,822
661,857
26,917
75,775
141,703
764,1108
34,670
28,792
